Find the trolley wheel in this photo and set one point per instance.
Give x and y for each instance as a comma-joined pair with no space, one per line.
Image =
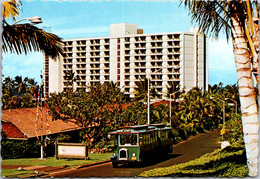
114,164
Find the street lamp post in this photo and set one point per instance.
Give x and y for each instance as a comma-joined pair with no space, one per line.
223,101
170,111
37,20
34,20
234,102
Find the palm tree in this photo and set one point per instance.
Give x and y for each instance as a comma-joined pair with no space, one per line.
23,38
8,82
20,85
141,90
240,20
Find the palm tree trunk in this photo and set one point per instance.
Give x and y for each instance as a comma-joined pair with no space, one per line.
246,94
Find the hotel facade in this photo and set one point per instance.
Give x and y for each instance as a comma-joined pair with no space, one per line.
128,56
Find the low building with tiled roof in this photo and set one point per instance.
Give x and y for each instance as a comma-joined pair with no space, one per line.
25,124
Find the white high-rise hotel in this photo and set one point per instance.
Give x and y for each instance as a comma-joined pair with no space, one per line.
127,56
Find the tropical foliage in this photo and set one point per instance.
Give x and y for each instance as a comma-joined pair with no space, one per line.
240,20
24,38
19,92
141,90
97,111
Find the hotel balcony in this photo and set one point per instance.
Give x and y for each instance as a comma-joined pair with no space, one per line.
140,58
127,52
127,39
81,72
140,64
107,77
173,37
67,67
174,50
156,38
127,71
81,43
138,70
127,77
95,41
106,41
106,59
68,43
106,65
82,54
106,71
156,77
127,46
156,45
95,54
156,64
106,53
81,66
127,64
127,58
157,51
175,57
95,72
67,50
140,39
140,52
140,45
67,55
95,48
69,60
81,49
81,60
95,65
106,47
173,44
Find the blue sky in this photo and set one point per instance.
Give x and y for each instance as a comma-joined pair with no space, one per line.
77,19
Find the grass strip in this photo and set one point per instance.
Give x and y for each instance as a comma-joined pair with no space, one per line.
229,162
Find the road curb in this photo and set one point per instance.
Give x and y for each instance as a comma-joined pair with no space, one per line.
92,164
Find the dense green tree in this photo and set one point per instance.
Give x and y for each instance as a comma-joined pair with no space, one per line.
20,91
96,111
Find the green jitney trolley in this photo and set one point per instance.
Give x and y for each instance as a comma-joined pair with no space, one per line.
140,142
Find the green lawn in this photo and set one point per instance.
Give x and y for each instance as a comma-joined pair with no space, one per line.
13,173
50,161
229,162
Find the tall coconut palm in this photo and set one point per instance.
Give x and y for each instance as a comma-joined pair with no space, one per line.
24,38
240,21
20,84
141,90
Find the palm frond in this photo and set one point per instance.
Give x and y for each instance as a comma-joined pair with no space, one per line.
23,38
11,9
210,16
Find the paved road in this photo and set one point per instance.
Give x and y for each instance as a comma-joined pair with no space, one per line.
185,151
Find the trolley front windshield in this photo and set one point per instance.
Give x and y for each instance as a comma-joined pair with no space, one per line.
128,139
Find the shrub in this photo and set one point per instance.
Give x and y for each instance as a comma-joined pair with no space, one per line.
19,149
229,162
233,131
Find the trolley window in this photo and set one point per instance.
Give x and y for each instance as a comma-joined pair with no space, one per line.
128,139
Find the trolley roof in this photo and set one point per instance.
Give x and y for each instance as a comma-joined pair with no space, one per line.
140,129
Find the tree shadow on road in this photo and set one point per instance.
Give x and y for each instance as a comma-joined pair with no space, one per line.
150,162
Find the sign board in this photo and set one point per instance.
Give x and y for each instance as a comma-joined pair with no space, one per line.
71,150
